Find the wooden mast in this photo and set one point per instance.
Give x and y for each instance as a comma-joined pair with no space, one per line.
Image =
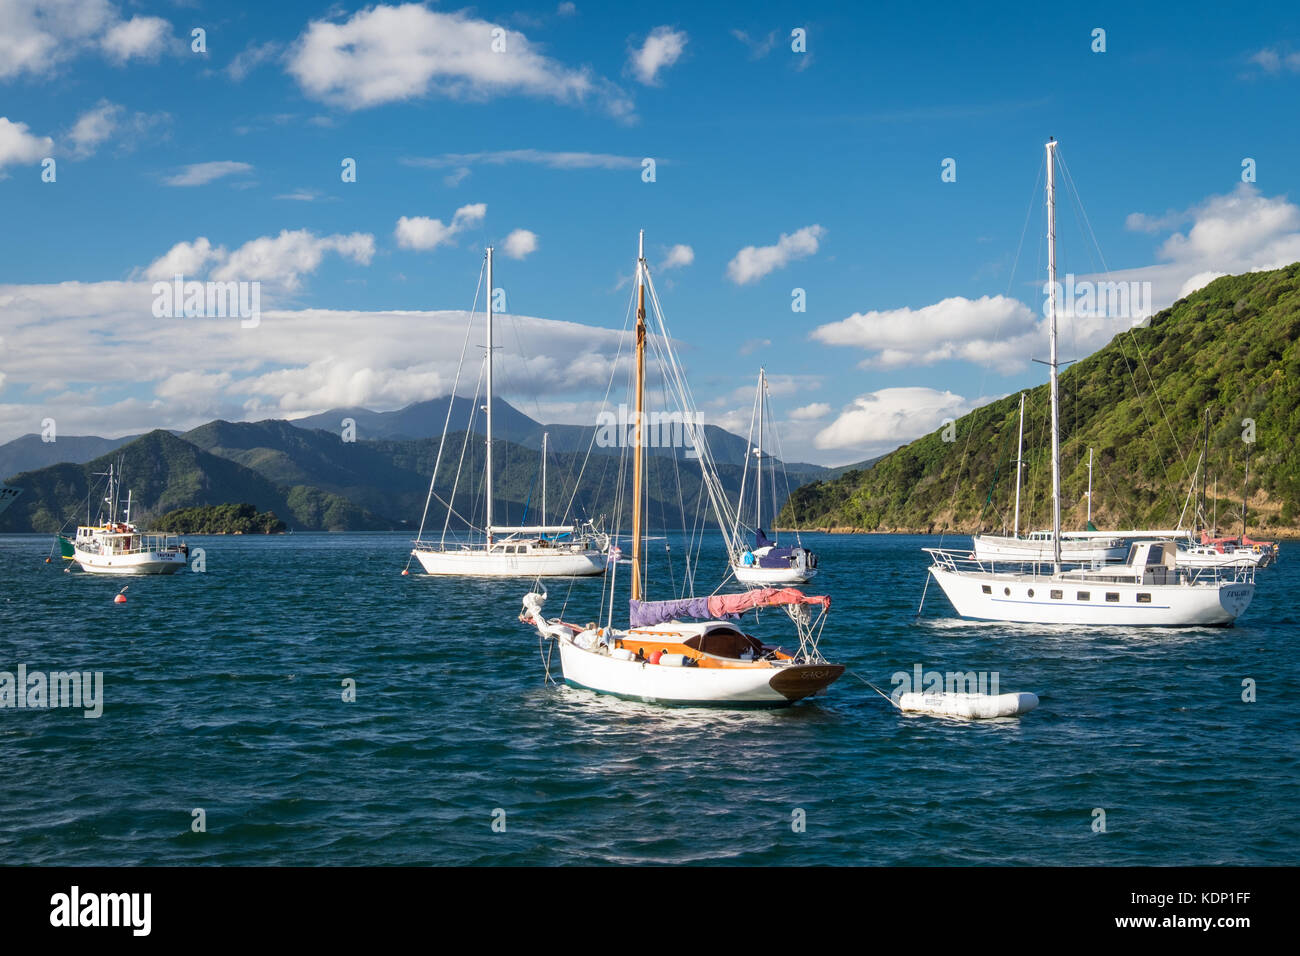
640,405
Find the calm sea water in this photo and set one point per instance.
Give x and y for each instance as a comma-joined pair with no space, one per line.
223,691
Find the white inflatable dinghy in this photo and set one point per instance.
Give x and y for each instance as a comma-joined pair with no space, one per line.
974,706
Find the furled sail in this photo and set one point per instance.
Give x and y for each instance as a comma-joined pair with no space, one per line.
718,606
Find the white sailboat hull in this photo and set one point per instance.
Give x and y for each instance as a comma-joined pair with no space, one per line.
684,686
768,577
1167,605
150,562
477,563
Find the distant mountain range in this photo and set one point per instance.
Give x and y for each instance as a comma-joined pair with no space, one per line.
314,480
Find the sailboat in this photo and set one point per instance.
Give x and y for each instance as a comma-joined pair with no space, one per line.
686,651
1147,588
113,546
766,563
541,550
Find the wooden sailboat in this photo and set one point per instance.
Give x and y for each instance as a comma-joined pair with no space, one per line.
1148,587
563,550
687,651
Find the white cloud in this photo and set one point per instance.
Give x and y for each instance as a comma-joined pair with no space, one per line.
810,413
19,145
37,36
757,48
753,262
539,157
250,58
283,259
678,256
423,233
521,243
105,121
387,54
1272,61
566,9
143,37
77,337
199,174
882,420
660,50
185,258
988,329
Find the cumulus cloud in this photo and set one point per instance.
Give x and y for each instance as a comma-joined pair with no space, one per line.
979,330
521,243
753,262
660,50
38,36
138,37
423,233
1273,61
882,420
678,256
200,174
285,258
387,54
810,413
185,258
19,145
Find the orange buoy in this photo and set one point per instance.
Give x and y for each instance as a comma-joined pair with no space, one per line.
405,572
120,599
654,658
47,560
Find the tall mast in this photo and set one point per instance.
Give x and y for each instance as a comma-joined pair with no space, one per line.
758,474
544,437
488,440
1245,495
640,404
1020,464
1089,487
1056,424
1205,468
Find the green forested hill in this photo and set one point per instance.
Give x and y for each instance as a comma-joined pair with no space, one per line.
1232,347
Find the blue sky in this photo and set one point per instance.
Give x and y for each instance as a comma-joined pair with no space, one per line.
838,148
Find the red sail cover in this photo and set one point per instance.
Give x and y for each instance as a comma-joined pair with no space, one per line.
721,605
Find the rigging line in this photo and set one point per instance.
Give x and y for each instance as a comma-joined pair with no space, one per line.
961,465
1137,345
744,472
892,702
433,477
613,371
464,444
785,472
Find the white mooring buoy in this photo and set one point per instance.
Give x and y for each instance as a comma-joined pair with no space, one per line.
973,706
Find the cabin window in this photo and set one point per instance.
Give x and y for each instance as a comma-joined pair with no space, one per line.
986,589
1057,595
1144,598
1112,597
1084,596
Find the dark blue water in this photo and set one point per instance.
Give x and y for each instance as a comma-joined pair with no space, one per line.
223,690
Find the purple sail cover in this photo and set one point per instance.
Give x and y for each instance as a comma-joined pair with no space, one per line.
647,613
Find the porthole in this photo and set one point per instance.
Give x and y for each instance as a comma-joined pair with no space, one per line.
1007,591
1031,592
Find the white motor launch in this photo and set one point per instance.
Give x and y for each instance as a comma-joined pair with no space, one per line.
973,706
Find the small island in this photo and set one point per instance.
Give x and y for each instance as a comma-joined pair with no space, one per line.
219,519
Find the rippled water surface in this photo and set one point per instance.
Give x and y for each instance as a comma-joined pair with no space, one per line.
223,690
